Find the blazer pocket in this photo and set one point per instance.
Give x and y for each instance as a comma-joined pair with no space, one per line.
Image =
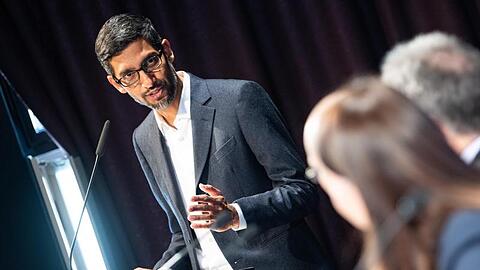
224,149
273,235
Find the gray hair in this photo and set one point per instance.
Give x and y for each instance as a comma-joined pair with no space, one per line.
118,32
441,74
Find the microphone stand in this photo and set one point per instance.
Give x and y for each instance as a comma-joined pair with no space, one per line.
98,153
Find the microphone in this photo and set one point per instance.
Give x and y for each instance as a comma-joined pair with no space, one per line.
98,153
103,137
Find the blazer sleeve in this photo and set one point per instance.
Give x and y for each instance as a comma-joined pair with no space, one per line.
292,197
177,242
176,245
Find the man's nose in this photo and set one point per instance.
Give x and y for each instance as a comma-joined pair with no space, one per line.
146,79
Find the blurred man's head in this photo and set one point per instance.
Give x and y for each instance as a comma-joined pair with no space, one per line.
442,75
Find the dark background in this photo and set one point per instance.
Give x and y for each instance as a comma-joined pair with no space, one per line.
299,50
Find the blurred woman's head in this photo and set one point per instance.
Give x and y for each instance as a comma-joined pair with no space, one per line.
371,148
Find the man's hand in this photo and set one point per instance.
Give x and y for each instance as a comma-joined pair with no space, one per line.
211,211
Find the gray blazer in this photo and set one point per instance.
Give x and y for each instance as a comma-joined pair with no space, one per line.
459,242
241,146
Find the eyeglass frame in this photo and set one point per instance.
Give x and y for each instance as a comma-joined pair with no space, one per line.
119,81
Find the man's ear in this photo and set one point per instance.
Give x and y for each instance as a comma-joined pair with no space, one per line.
116,85
167,50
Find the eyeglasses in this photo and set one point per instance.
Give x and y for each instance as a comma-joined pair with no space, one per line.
150,65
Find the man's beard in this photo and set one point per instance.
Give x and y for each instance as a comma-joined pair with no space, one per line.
168,84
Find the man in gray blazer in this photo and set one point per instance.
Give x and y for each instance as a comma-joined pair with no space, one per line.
222,137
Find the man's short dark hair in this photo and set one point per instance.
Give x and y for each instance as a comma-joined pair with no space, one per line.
441,74
118,32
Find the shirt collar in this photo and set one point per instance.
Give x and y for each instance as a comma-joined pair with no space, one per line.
471,151
183,106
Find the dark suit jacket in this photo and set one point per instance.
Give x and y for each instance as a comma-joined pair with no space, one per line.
476,161
241,146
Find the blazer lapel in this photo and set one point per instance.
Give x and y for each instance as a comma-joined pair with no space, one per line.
202,122
164,172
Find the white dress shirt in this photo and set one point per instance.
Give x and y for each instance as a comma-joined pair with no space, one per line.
471,151
179,141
